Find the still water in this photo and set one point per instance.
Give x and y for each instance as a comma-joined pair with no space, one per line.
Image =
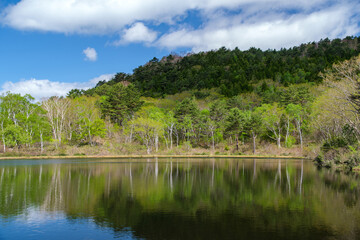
176,199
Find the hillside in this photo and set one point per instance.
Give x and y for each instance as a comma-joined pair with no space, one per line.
233,71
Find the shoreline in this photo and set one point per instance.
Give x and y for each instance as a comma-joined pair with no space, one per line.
148,156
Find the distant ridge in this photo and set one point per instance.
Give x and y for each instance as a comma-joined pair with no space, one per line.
234,71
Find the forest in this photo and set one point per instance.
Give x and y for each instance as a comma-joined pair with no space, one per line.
303,101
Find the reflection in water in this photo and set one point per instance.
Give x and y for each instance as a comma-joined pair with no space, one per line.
301,175
288,178
183,198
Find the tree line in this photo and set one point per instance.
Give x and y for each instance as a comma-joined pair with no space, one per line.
121,111
303,115
236,71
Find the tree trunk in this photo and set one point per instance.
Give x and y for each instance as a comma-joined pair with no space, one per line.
237,142
90,140
148,147
131,134
300,135
278,140
287,130
254,143
213,140
156,143
171,140
3,138
177,138
41,142
166,142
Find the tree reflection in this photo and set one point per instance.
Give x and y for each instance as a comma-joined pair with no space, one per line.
226,196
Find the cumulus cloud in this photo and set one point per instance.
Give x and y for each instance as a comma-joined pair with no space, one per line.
104,77
39,88
90,54
274,33
230,23
138,32
90,16
45,88
104,16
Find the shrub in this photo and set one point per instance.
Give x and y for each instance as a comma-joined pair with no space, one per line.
290,141
79,154
319,160
352,161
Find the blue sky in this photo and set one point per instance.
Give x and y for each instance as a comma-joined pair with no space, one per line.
48,47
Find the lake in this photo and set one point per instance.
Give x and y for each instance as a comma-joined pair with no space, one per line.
177,198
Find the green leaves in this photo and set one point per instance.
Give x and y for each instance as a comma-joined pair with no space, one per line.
296,94
188,107
15,136
234,71
235,122
295,111
119,102
149,127
19,119
272,115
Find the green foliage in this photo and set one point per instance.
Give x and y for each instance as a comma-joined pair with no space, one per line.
97,128
119,102
319,160
234,71
235,122
346,140
148,130
201,94
335,142
15,136
265,95
188,107
86,121
79,154
187,145
74,93
290,141
246,101
270,95
296,94
353,161
271,118
254,121
21,121
218,112
295,111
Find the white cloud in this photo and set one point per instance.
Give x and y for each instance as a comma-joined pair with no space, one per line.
230,23
104,16
103,77
39,88
89,16
138,32
45,88
274,33
90,54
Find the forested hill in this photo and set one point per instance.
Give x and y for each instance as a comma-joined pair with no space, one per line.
235,71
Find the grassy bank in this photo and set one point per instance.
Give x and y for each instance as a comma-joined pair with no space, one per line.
149,156
114,150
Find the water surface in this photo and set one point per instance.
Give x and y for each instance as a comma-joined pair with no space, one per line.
176,199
